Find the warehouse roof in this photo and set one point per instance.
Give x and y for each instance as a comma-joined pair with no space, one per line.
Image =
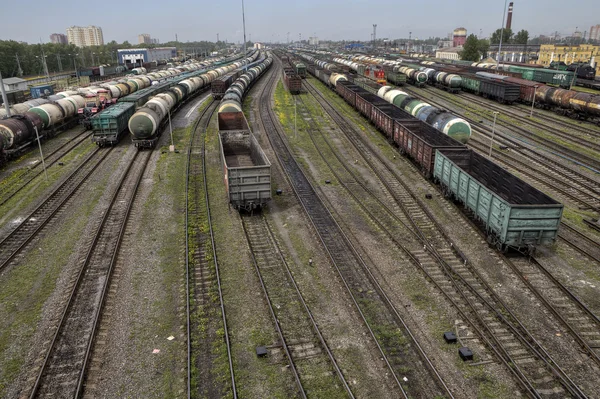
12,81
450,49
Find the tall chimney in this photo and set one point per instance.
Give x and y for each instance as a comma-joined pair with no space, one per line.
509,19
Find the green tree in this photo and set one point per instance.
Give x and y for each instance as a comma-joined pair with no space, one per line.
483,46
522,37
506,37
471,49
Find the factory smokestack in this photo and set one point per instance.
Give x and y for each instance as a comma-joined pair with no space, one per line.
509,19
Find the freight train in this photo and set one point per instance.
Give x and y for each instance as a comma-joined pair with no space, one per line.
60,111
246,168
145,124
506,88
514,214
442,120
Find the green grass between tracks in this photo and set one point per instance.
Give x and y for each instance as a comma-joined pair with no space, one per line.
26,287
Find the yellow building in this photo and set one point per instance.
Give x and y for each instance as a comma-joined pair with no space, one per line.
569,54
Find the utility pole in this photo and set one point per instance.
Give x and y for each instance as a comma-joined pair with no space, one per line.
59,62
176,38
288,38
19,70
244,25
217,38
44,61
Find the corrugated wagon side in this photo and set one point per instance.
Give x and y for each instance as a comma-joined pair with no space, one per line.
515,214
247,169
420,141
110,124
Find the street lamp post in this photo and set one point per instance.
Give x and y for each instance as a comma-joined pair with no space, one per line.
533,101
493,131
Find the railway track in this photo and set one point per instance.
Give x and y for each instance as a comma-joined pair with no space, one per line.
13,245
311,360
64,368
526,109
203,277
26,175
369,298
547,143
511,111
552,130
580,241
452,273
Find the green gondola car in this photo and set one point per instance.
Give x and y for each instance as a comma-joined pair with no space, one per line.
301,70
110,124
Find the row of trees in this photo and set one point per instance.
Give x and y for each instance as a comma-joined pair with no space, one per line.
508,37
23,59
475,49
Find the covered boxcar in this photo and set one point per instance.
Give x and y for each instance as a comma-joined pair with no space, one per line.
515,214
245,165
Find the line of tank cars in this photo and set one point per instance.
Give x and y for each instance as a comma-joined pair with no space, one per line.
510,84
145,124
514,214
63,110
444,121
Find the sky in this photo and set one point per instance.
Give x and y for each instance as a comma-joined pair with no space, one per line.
271,20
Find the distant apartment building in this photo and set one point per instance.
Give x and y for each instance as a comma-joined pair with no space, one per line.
595,33
85,36
144,38
58,38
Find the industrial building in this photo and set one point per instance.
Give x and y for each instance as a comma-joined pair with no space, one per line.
525,53
449,53
11,84
569,54
85,36
58,38
141,55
